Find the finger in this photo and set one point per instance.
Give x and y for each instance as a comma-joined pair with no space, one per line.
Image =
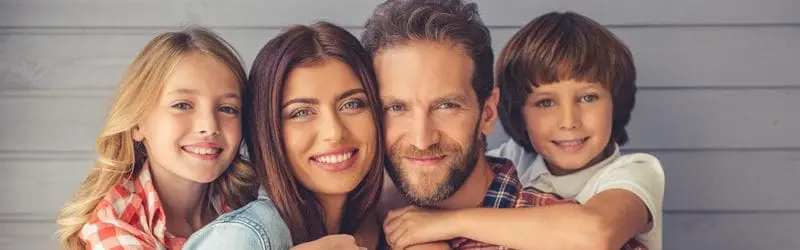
398,212
394,235
402,241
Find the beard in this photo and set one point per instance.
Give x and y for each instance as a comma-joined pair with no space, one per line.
428,185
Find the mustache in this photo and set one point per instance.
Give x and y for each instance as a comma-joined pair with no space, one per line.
435,150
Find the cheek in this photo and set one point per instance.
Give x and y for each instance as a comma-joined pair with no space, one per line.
537,123
159,127
233,129
393,128
600,118
297,139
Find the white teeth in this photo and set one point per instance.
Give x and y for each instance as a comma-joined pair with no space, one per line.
570,143
203,151
333,159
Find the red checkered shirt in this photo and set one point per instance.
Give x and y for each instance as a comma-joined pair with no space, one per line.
131,216
506,192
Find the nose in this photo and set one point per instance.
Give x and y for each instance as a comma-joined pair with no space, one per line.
423,131
569,117
332,129
207,124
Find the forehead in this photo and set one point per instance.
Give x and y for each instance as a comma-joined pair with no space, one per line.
567,86
202,74
424,70
320,80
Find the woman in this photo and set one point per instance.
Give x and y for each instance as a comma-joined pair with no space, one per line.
312,133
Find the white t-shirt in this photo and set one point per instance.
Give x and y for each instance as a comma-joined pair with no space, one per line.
638,173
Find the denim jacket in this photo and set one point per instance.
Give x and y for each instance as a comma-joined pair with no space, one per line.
257,225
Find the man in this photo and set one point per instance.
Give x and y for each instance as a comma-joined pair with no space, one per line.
433,60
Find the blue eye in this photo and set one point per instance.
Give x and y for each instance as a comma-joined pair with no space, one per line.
182,106
394,107
545,103
355,104
300,113
447,105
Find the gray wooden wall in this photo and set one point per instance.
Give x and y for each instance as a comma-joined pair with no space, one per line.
717,104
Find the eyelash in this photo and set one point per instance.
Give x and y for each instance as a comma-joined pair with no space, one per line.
357,102
581,99
391,108
225,109
449,105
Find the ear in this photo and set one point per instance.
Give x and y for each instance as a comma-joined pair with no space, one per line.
489,117
138,136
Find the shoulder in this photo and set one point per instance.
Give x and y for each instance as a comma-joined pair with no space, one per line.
258,224
636,168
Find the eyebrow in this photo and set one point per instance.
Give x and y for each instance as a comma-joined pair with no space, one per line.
457,98
182,91
311,101
349,93
387,99
314,101
185,91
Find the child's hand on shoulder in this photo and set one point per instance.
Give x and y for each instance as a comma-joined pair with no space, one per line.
413,225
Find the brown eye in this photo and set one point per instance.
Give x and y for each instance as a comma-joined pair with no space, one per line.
545,103
589,98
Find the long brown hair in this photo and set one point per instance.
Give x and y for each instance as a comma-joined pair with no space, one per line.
119,157
296,47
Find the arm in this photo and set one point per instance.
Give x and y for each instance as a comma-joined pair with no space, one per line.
627,202
607,221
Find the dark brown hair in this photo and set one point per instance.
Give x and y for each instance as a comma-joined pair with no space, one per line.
564,46
451,22
297,47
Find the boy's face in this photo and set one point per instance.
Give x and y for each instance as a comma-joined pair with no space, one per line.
569,123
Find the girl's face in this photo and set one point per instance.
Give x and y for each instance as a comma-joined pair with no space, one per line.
194,131
328,128
569,123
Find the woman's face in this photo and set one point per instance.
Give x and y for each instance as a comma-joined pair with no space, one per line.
328,128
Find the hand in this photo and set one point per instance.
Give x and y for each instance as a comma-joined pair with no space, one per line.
413,225
336,241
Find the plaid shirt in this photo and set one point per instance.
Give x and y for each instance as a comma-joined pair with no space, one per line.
507,192
131,216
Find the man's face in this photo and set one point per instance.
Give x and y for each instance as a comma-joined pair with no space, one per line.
433,121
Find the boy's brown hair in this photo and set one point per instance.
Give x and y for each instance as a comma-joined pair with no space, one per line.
563,46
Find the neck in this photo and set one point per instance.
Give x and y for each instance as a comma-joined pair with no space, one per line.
333,207
474,189
184,202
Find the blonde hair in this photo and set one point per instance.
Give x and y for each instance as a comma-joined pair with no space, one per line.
120,157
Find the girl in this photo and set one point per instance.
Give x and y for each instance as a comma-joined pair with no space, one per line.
169,152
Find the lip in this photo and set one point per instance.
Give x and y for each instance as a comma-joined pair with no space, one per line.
571,148
206,145
425,161
336,167
338,150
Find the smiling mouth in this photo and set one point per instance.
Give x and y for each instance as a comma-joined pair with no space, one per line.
335,162
334,158
204,153
571,145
